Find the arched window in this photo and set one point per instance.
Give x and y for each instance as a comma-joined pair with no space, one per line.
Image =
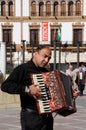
41,9
70,8
33,6
78,7
3,8
63,8
10,8
48,8
55,10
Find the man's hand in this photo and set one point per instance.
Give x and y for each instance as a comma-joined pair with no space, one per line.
75,92
34,91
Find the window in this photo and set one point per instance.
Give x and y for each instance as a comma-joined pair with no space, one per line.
63,8
3,8
52,35
7,9
48,8
70,8
10,8
34,37
7,35
77,36
78,8
33,5
55,9
41,9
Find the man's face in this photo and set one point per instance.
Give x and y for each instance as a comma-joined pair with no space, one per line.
42,57
80,69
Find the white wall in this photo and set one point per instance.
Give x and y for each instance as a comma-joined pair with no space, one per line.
84,35
66,31
25,7
84,7
17,7
0,33
17,32
3,57
26,31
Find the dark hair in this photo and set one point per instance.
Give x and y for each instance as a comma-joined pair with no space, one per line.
40,47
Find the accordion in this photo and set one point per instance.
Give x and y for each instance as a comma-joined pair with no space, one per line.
56,93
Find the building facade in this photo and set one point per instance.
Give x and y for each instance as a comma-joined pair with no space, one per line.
36,22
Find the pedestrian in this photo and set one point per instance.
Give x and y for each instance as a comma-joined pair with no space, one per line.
71,74
19,82
81,80
83,68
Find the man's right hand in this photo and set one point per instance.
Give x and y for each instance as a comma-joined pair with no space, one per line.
34,91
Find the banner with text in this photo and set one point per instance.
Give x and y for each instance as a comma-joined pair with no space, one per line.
45,32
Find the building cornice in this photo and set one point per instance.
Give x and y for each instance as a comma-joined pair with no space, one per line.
40,19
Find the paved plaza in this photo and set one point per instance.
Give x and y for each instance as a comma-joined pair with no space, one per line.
10,118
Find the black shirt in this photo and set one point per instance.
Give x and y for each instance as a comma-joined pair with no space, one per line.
19,79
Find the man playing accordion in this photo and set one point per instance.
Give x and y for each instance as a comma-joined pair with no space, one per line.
19,82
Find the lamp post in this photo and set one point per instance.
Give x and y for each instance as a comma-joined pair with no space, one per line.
58,37
54,55
78,49
23,50
32,48
59,55
11,54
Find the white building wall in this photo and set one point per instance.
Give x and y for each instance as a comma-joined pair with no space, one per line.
17,33
17,7
26,31
0,33
84,35
84,7
66,32
3,57
25,7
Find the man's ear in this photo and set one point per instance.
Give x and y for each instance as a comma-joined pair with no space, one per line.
35,53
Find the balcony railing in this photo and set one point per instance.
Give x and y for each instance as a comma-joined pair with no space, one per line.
7,13
68,13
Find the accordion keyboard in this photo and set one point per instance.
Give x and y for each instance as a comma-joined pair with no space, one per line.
43,101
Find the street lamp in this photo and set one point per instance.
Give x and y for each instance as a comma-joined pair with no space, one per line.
54,55
23,50
11,54
78,49
59,55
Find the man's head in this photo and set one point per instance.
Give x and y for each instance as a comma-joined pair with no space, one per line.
42,56
80,68
71,67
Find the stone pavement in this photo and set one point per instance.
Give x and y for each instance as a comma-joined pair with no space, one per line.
10,118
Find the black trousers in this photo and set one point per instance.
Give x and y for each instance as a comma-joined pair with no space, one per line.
81,87
31,120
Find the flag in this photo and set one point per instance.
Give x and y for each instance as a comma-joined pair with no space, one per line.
58,35
54,35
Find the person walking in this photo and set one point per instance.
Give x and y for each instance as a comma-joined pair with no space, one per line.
81,80
72,74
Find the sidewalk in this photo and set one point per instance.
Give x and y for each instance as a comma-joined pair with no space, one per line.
75,121
10,118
